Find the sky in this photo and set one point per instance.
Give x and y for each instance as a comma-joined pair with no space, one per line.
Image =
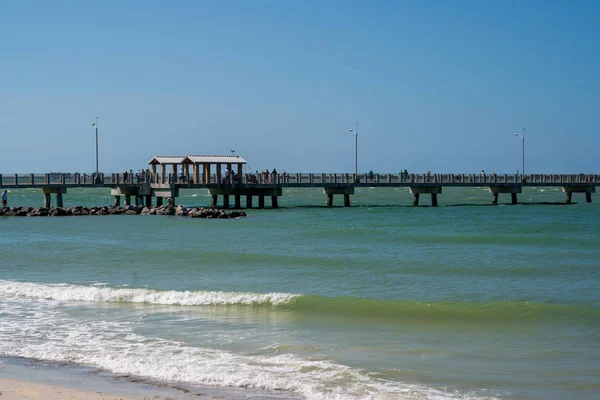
438,86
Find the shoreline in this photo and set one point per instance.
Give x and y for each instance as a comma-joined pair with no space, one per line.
24,379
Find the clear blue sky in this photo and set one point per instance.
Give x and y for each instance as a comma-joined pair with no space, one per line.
435,85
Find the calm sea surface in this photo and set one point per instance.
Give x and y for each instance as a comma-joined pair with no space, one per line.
377,301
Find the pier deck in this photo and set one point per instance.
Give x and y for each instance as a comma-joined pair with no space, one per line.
144,187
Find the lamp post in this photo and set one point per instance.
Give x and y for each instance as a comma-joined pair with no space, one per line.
355,130
95,123
522,136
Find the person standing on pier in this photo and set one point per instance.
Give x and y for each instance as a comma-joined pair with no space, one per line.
4,198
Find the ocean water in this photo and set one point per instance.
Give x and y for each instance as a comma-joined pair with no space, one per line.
377,301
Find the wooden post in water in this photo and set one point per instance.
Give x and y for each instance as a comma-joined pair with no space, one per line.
274,202
248,201
513,198
415,199
261,201
213,203
588,197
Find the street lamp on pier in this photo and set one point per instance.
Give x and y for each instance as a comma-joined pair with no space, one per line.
522,136
95,123
355,130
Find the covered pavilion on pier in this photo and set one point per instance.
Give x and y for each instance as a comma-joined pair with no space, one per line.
202,165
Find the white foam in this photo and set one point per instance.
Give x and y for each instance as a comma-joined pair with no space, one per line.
49,330
96,293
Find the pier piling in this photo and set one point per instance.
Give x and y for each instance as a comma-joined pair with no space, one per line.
415,199
346,200
225,201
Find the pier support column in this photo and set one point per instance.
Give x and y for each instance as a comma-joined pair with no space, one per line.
329,200
48,191
415,199
345,190
588,189
117,202
238,192
346,200
159,201
214,200
432,189
148,200
127,200
513,189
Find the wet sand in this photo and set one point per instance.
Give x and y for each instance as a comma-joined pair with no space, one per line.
22,379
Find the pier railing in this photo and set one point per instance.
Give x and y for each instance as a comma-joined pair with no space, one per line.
295,179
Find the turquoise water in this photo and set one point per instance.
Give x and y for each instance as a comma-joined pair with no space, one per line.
379,301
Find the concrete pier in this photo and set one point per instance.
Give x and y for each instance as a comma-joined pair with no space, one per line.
237,192
344,190
58,191
512,190
585,188
234,183
433,190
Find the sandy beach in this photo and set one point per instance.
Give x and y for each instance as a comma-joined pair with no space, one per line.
12,389
25,379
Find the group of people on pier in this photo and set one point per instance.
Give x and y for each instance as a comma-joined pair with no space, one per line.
141,176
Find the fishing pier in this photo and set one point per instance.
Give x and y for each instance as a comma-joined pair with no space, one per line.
224,178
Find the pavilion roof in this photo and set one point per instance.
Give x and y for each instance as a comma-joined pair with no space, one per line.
215,159
167,160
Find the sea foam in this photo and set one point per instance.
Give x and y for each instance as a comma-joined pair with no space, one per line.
68,292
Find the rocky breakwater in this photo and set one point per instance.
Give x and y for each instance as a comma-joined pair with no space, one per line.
196,212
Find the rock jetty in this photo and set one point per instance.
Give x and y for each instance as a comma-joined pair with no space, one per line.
196,212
